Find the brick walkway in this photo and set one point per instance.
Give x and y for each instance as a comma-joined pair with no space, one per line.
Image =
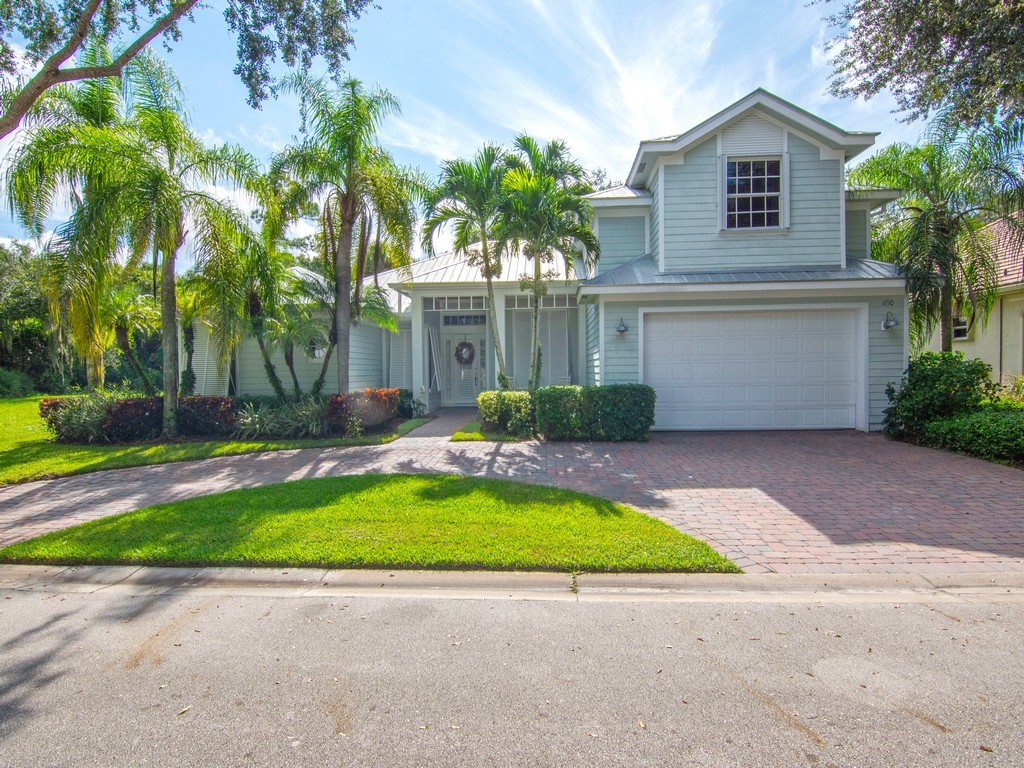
787,502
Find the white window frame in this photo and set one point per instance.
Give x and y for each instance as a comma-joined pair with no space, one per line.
723,198
961,329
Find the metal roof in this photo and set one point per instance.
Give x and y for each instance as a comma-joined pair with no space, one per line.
452,268
620,192
644,271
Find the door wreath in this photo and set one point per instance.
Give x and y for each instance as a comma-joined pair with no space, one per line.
464,353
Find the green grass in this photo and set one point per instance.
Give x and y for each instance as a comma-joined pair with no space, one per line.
474,432
27,451
383,521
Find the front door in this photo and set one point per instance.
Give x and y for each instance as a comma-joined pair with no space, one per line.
465,350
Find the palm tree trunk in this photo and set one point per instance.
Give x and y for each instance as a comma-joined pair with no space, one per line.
289,360
343,297
492,310
364,244
268,366
187,387
94,378
169,342
318,385
535,340
946,318
124,343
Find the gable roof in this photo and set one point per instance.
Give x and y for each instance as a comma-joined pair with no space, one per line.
851,142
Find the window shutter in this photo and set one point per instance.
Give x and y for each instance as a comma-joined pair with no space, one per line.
722,173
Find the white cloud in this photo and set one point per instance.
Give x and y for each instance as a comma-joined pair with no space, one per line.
430,131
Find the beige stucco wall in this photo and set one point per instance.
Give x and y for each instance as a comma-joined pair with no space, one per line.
1006,325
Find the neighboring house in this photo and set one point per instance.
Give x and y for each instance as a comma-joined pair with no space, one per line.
734,278
999,341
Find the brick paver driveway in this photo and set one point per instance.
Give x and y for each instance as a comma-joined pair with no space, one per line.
789,502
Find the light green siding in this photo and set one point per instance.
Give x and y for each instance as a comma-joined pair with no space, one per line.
886,362
655,191
593,345
857,235
622,240
366,365
694,241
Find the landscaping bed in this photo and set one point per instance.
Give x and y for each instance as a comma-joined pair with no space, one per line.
383,521
28,452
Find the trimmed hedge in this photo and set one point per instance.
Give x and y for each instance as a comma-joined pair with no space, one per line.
616,412
203,416
935,386
991,432
134,420
506,412
372,407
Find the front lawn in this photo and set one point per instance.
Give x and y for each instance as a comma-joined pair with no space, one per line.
27,451
383,521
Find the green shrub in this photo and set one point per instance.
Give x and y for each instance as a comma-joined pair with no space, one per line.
935,385
993,433
82,419
615,412
507,412
306,418
15,383
408,406
559,411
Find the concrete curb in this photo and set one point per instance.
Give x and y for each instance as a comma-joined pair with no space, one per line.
483,585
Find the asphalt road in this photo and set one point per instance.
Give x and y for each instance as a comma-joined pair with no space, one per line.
224,676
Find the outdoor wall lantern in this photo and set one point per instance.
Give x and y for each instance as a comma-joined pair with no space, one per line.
623,328
890,322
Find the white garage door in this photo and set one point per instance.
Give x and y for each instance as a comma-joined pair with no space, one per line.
752,370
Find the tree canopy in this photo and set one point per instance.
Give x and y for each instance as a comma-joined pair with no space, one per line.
54,32
964,54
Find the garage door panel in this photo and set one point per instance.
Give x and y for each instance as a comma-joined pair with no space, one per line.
768,369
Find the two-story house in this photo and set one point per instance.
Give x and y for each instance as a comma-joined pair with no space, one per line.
734,278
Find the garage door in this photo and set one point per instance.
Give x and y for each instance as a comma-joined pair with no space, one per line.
752,370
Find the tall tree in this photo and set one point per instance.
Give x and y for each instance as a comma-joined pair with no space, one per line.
76,279
954,182
965,54
341,163
55,33
468,199
544,213
129,312
156,175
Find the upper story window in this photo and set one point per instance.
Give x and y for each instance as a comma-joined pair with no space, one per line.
753,193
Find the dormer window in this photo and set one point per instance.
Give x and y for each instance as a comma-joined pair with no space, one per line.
753,193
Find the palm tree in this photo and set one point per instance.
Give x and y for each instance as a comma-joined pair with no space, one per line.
954,182
130,312
75,281
468,198
295,327
545,214
341,163
190,312
155,176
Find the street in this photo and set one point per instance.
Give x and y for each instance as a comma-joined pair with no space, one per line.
100,671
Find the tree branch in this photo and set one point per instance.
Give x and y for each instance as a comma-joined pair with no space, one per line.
51,74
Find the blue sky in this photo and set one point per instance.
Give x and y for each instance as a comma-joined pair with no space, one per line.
600,74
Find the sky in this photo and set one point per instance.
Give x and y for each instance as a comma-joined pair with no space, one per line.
600,74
